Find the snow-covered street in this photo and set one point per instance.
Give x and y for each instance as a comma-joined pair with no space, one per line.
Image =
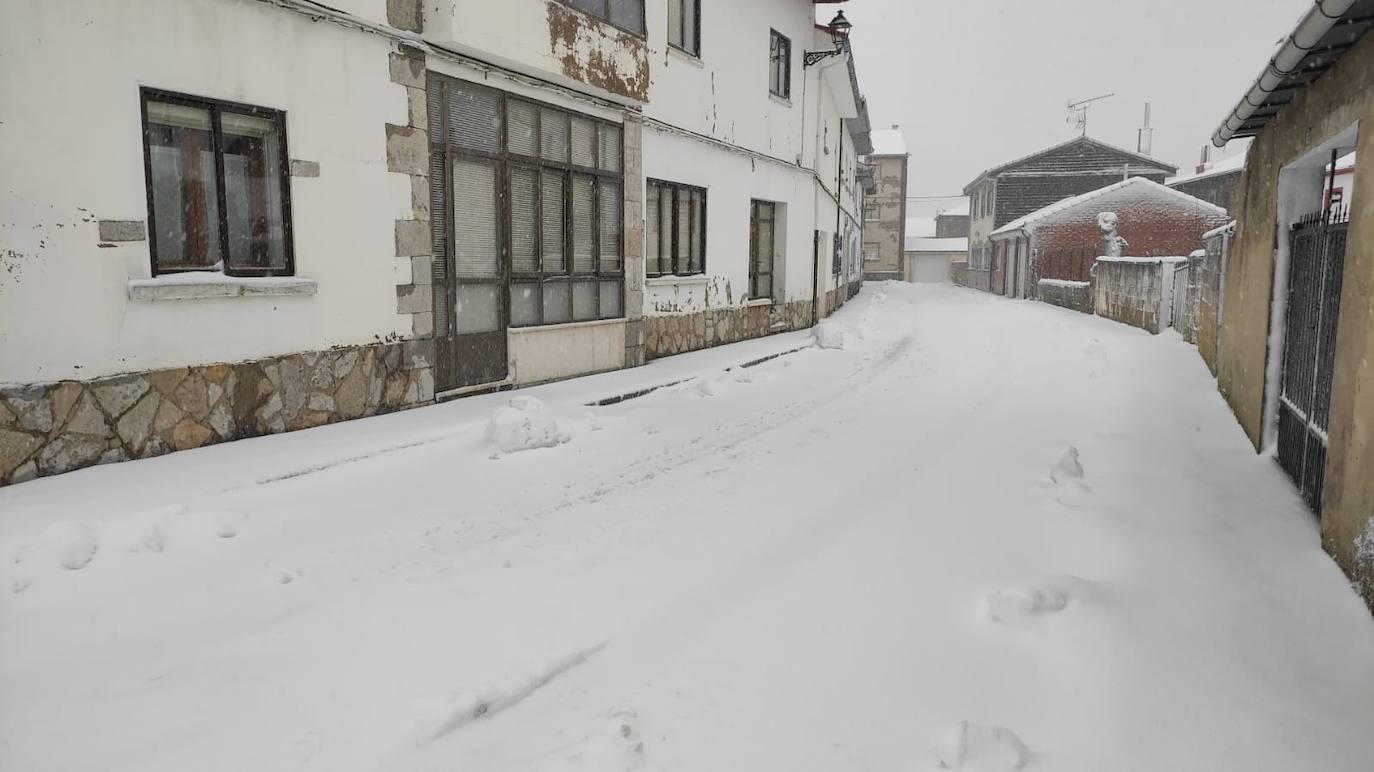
826,561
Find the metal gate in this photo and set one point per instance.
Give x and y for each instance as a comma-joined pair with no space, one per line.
1314,294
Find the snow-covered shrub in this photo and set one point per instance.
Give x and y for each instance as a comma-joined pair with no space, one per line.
524,423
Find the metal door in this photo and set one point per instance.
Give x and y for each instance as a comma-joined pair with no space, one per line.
1314,293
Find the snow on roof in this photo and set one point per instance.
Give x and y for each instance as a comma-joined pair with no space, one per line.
1146,185
959,209
1234,163
919,244
998,169
920,227
888,142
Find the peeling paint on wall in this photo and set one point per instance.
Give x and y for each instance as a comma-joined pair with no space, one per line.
598,54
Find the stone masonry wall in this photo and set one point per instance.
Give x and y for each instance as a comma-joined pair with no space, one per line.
668,334
1077,295
50,428
1129,292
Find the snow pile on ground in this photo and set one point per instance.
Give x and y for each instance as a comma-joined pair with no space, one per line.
970,747
1067,468
73,544
829,334
524,423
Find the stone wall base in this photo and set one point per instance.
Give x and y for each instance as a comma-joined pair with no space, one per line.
668,334
50,428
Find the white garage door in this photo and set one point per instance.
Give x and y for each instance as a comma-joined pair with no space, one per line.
930,268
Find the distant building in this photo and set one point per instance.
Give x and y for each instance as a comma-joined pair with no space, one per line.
1215,182
953,223
1017,188
885,211
928,260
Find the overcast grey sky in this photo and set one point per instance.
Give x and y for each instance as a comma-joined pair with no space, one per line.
974,83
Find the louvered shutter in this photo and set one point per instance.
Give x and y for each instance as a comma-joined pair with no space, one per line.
522,135
553,136
583,225
583,142
608,202
551,213
651,218
439,242
475,245
609,157
697,264
474,118
524,219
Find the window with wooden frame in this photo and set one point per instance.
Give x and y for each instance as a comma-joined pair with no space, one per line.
218,190
684,25
762,238
779,65
556,235
873,212
675,229
625,14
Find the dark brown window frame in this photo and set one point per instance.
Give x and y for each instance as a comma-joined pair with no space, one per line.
678,188
605,16
755,205
214,107
506,160
784,45
696,27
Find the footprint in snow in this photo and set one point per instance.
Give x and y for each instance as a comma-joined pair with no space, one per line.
1022,606
617,745
969,746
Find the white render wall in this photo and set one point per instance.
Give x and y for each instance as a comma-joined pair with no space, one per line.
71,93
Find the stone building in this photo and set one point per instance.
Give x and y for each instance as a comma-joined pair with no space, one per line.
1017,188
1297,314
368,205
885,210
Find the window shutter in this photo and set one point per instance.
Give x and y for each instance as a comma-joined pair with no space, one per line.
474,118
610,148
608,201
583,142
651,230
551,213
524,219
697,264
439,241
583,225
475,247
683,210
521,135
553,135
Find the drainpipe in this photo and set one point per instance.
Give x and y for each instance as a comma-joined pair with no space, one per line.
1320,18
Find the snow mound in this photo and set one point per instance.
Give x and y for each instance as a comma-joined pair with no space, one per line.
524,423
1067,468
828,335
708,387
73,544
977,748
1022,606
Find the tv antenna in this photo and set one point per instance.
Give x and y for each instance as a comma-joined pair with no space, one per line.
1078,113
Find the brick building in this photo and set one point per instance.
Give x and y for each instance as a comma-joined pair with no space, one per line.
1015,189
1062,241
1216,183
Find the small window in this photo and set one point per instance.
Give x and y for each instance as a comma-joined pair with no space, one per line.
873,212
676,229
779,65
872,255
217,186
625,14
762,222
684,25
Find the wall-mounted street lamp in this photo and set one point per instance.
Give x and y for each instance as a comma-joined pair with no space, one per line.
839,32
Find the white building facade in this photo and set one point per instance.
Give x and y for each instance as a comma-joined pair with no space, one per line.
271,215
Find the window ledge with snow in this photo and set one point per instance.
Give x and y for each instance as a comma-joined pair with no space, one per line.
201,285
673,279
758,302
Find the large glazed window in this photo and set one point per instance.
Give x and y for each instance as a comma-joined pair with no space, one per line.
217,177
537,197
625,14
779,65
675,217
684,25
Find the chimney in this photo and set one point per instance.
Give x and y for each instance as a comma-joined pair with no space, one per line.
1145,138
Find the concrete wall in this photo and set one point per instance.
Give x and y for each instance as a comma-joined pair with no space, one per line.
1332,105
